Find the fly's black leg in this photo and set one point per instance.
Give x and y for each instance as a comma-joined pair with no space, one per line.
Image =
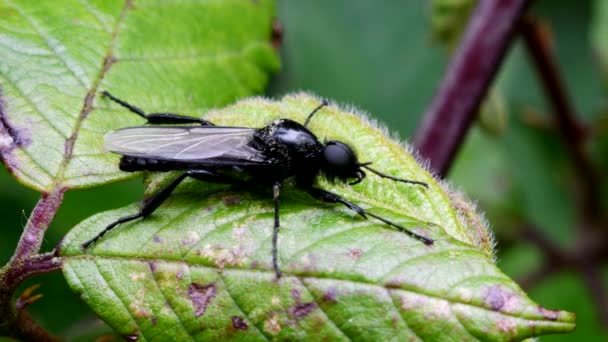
170,118
276,188
110,227
158,198
130,107
330,197
158,118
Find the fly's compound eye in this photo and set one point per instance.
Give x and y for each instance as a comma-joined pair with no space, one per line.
340,160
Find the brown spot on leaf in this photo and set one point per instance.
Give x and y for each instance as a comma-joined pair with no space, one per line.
154,320
230,200
295,294
191,237
272,324
497,297
506,326
302,310
239,323
138,306
330,295
355,253
157,239
222,256
201,296
548,314
11,137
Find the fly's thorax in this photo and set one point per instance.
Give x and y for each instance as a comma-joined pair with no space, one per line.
288,139
290,146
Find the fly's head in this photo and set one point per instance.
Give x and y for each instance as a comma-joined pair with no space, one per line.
339,162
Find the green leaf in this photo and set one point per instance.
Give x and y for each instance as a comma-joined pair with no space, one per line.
199,268
183,56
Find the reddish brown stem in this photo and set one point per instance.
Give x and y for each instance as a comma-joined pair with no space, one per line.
26,329
24,268
538,42
18,323
473,67
25,263
36,226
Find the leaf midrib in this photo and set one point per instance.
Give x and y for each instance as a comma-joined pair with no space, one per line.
57,178
87,107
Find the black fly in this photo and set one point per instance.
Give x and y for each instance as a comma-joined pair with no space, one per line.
269,155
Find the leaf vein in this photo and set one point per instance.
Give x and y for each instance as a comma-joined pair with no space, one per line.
55,50
329,319
394,305
423,256
260,331
179,319
185,212
31,104
95,15
325,239
465,327
211,231
111,288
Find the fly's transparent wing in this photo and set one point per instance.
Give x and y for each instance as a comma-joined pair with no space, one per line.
183,143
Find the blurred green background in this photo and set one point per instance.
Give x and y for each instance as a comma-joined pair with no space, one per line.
380,56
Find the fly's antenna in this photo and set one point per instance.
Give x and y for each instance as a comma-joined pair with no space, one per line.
384,175
323,104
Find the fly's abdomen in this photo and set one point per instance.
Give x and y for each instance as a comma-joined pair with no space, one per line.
132,164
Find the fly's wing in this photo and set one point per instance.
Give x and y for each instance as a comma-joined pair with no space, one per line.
184,143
